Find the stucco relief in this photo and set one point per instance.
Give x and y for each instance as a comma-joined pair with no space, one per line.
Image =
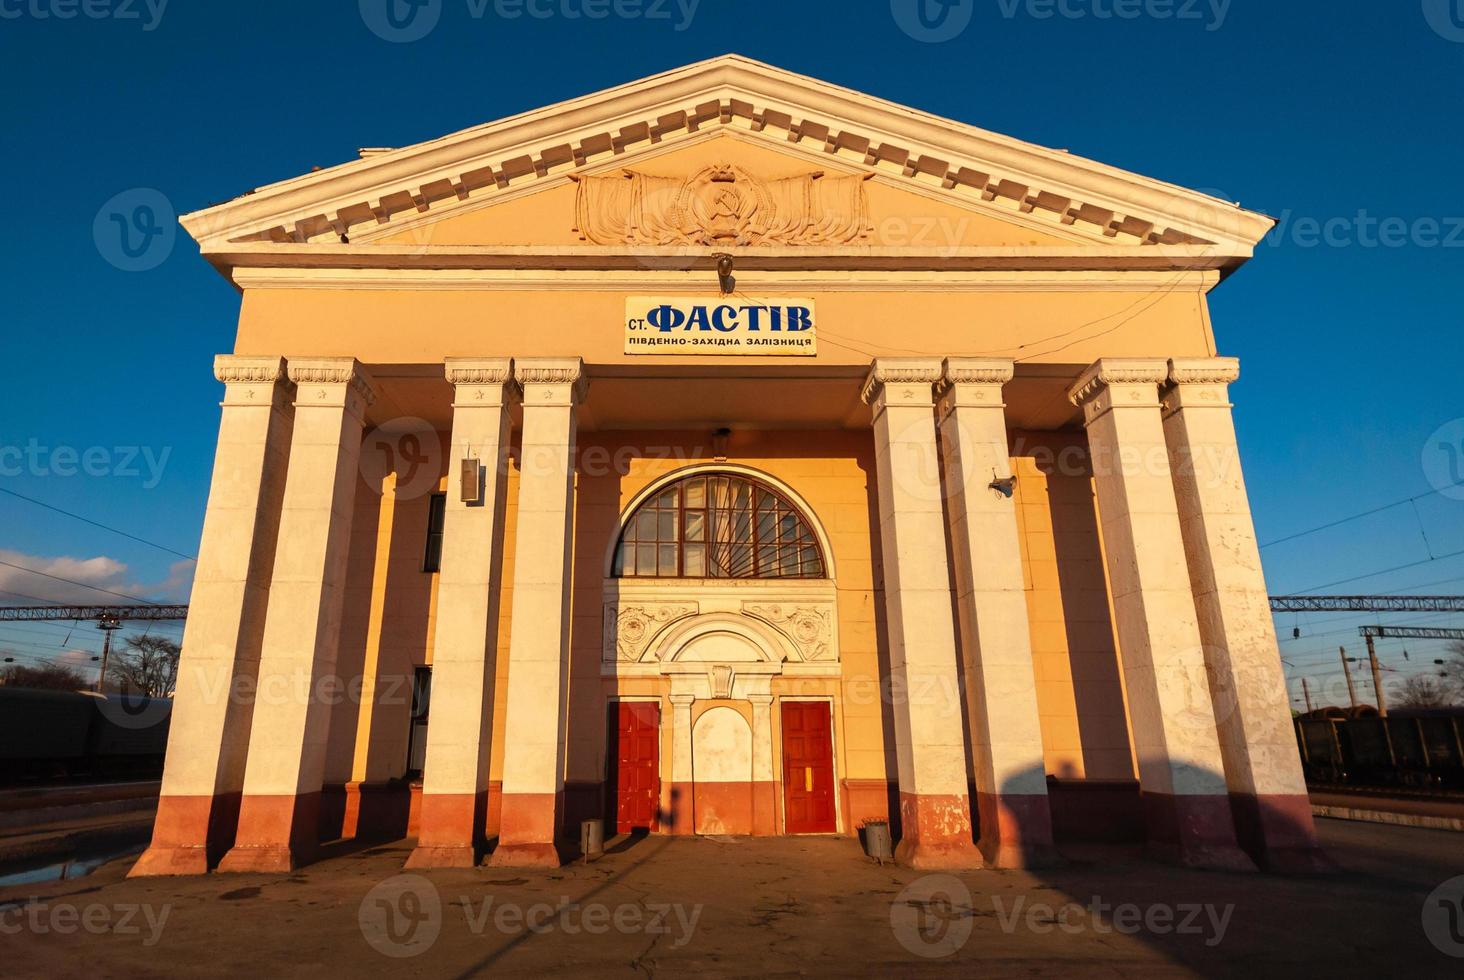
630,629
808,626
722,205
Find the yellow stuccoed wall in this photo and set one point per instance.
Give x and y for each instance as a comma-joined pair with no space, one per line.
390,601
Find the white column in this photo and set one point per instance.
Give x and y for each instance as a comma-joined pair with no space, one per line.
935,814
681,771
209,736
464,657
538,657
764,797
279,815
1247,685
996,640
1181,774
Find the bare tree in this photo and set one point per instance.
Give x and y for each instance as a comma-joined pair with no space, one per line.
148,665
48,677
1454,670
1421,692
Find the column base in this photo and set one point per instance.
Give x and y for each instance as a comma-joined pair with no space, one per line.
527,855
165,861
261,859
190,834
442,856
277,834
1277,830
450,830
530,824
1194,832
1016,831
935,833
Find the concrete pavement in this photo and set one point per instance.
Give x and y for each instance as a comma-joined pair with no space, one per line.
739,907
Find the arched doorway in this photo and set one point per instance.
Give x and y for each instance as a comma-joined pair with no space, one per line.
719,595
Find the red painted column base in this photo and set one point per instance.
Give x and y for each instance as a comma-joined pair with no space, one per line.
277,834
1194,832
682,821
1278,832
528,830
935,832
450,831
190,834
1016,831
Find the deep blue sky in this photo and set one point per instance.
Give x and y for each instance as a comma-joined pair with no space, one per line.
1303,110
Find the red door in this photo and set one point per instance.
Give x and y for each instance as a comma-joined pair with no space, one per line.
808,768
637,768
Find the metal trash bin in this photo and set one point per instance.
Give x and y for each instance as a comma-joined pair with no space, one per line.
592,838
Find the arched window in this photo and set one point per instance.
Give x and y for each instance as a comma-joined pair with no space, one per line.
718,525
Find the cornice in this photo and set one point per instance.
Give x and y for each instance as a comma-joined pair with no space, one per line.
989,171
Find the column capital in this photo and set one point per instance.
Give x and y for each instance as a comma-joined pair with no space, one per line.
973,382
482,382
681,700
1204,370
555,380
337,382
910,380
249,368
1136,379
760,700
251,380
1199,382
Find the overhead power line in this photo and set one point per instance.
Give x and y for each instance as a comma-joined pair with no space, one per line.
1357,517
99,524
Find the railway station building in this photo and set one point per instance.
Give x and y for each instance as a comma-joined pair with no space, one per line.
728,453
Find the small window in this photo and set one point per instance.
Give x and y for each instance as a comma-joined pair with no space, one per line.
436,513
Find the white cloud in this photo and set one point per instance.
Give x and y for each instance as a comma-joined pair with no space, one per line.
20,587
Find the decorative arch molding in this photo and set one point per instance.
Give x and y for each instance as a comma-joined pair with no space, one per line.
607,565
769,646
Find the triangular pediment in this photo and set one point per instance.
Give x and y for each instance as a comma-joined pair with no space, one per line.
725,154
